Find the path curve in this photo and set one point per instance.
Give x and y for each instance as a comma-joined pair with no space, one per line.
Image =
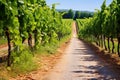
81,63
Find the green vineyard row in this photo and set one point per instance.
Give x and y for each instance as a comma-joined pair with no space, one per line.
104,27
31,20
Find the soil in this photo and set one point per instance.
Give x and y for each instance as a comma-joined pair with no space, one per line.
3,47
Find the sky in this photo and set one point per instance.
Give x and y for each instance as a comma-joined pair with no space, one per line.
82,5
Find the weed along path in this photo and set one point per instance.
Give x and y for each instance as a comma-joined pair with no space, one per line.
80,62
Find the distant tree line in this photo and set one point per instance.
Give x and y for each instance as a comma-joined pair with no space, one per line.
71,14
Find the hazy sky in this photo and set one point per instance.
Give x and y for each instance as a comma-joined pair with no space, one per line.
89,5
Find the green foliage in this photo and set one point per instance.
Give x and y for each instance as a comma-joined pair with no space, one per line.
3,40
23,62
69,14
85,28
62,32
77,15
86,14
66,27
51,48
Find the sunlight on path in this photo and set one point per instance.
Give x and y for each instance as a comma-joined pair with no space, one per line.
74,33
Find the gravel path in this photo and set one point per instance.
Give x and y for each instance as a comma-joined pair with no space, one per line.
81,63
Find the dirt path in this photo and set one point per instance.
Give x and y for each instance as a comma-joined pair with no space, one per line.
81,63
